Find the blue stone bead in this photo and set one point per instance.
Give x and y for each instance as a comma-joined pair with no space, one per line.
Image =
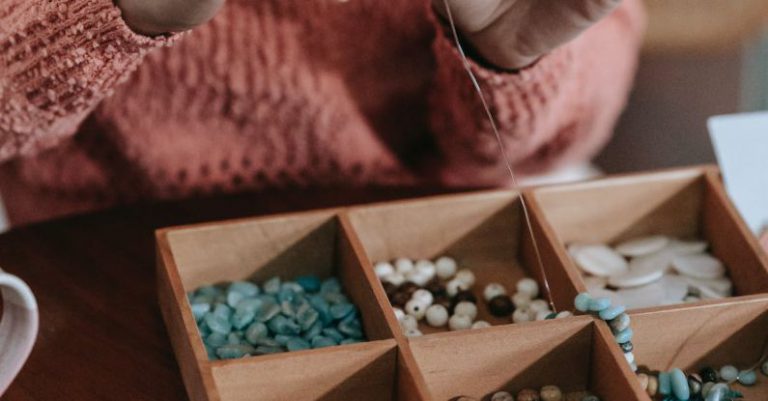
665,384
205,331
247,288
235,338
320,342
340,311
272,286
234,298
200,309
582,302
679,384
729,373
216,340
292,286
286,295
335,298
265,349
211,351
612,312
222,310
267,311
249,304
256,331
232,351
598,304
330,285
298,343
620,323
747,377
333,333
306,318
218,323
266,342
241,319
313,331
282,325
282,339
624,335
309,283
203,299
208,290
351,328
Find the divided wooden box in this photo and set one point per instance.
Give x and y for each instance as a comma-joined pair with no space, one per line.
486,232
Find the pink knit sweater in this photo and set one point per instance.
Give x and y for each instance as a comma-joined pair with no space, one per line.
276,93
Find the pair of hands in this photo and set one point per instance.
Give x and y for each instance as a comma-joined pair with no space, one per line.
507,33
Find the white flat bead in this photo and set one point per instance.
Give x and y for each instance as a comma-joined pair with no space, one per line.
699,266
593,282
600,260
722,286
659,261
636,277
675,288
642,246
643,297
679,247
604,293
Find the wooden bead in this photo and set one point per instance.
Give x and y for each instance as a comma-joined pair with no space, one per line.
653,385
551,393
528,395
643,379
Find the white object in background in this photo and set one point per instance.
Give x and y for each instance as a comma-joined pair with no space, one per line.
741,146
18,327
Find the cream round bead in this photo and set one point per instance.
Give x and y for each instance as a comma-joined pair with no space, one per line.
480,324
453,286
502,396
423,296
493,290
416,309
551,393
383,269
528,286
408,322
467,309
521,300
459,322
521,315
538,305
437,315
404,265
413,333
466,276
445,267
418,277
399,314
394,278
426,268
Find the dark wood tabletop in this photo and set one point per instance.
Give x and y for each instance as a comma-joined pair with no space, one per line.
101,334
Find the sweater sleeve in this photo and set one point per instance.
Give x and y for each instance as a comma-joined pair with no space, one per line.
58,60
560,110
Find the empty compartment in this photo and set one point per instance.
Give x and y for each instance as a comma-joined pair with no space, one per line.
714,335
687,205
484,232
257,249
572,354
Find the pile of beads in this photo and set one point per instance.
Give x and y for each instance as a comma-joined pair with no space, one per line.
440,293
546,393
651,271
241,319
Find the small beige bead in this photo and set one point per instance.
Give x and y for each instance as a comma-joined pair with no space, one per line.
653,385
643,379
551,393
502,396
528,395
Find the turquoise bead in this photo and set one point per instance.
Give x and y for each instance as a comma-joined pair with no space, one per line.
282,339
267,311
582,302
200,309
282,325
624,335
330,285
222,311
216,340
234,298
218,323
250,304
265,349
246,288
665,384
272,286
747,377
309,283
313,331
307,318
205,331
729,373
351,328
297,344
235,337
598,304
232,351
679,384
211,351
341,311
267,342
612,312
255,331
335,298
208,290
241,319
333,333
620,323
321,342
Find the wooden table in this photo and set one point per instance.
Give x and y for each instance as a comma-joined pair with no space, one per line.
101,333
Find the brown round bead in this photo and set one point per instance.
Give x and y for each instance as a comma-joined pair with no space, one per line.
501,306
389,289
399,299
528,395
408,288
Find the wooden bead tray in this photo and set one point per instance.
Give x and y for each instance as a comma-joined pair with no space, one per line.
486,232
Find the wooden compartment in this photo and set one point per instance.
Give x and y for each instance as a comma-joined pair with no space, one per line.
693,337
485,232
289,246
685,203
574,354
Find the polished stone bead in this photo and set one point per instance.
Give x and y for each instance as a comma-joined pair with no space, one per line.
322,308
283,325
528,395
709,375
694,383
242,318
330,285
266,349
286,295
272,286
627,346
297,344
306,317
246,288
500,306
235,337
747,377
255,331
612,312
233,351
502,396
282,339
234,298
599,304
218,323
718,392
551,393
266,342
582,302
321,341
340,311
620,323
200,309
679,384
216,339
313,331
729,373
309,283
624,335
267,310
333,333
351,328
205,331
665,384
335,298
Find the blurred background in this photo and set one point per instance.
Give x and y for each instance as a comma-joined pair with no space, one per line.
701,58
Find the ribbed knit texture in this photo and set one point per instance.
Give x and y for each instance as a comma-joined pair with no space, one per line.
276,93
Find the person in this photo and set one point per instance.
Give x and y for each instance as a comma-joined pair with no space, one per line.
104,103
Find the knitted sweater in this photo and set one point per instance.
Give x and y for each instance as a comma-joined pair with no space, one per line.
276,93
